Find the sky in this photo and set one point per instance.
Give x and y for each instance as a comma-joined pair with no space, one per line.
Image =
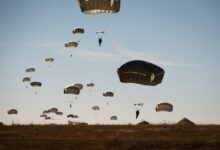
182,37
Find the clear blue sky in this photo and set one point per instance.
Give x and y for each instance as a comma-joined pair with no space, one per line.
181,36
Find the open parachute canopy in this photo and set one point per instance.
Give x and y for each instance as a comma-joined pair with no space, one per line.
164,106
36,84
30,70
95,108
47,118
43,115
78,85
72,116
49,59
108,94
71,44
113,118
140,72
90,84
72,90
99,6
12,111
26,79
78,31
54,110
59,113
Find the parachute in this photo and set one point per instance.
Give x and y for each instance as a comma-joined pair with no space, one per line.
26,80
71,44
164,106
12,112
90,85
140,72
36,84
95,108
54,110
78,31
46,111
43,115
113,118
47,118
108,94
49,60
99,6
79,86
72,116
72,90
59,113
30,70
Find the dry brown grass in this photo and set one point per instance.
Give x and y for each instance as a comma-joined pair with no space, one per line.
111,137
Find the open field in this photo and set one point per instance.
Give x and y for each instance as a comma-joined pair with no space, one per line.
112,137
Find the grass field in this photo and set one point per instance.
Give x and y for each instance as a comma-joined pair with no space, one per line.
111,137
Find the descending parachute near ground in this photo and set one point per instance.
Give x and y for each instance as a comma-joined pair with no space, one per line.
26,80
46,111
59,113
72,116
71,45
78,85
12,112
99,6
36,84
95,108
140,72
43,115
108,94
164,106
54,110
113,118
72,90
49,60
47,118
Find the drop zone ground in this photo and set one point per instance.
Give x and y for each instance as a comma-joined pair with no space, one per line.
111,137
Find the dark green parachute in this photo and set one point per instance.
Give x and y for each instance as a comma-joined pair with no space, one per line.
36,84
71,44
12,111
108,94
140,72
99,6
30,70
164,106
78,31
72,90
